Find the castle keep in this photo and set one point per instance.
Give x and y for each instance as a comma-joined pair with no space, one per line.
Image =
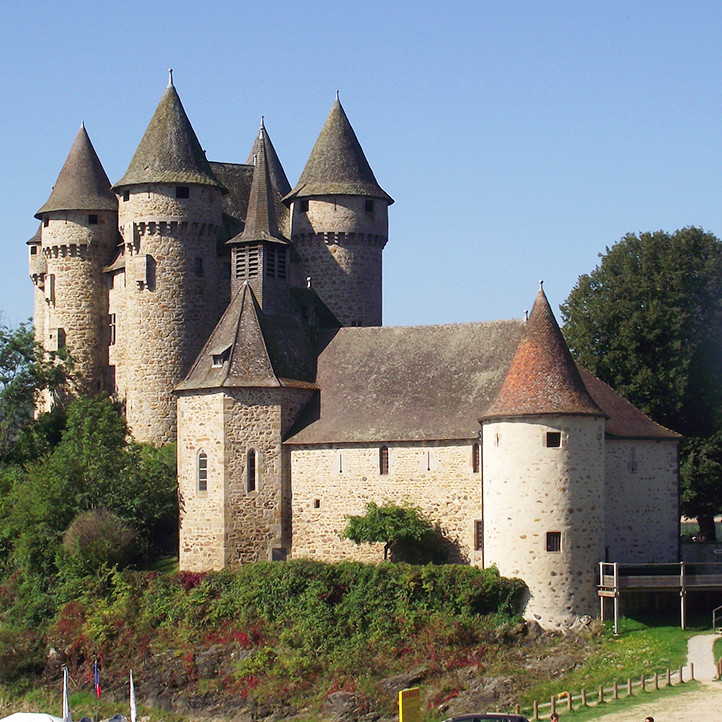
242,318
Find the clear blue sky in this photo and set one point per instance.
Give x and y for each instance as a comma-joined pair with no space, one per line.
517,138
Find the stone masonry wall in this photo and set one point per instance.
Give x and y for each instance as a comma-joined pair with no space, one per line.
175,294
642,501
330,483
531,490
202,513
117,352
75,252
338,245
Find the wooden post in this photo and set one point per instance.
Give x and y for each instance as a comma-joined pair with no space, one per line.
615,690
517,709
601,694
584,697
536,710
681,681
629,687
656,680
682,597
569,702
643,685
554,705
669,677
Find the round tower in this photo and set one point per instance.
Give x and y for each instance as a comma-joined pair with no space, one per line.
339,224
169,214
77,236
543,476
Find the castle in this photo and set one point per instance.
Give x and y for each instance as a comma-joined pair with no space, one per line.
242,318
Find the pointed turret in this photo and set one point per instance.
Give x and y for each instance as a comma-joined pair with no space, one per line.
279,181
542,378
169,151
337,164
82,184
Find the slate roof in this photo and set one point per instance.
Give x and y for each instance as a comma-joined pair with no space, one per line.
542,378
82,184
236,178
263,350
261,221
337,164
169,151
415,383
278,176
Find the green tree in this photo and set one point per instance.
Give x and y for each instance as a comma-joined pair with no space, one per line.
701,474
407,535
648,321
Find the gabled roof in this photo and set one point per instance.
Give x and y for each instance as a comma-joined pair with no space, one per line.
542,378
256,349
169,151
82,184
261,221
279,181
337,164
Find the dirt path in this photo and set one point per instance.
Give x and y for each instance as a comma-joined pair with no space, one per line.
704,703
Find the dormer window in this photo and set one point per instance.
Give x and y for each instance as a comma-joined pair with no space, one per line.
220,358
182,192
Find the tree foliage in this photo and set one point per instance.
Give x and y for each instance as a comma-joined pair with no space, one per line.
701,473
407,535
648,321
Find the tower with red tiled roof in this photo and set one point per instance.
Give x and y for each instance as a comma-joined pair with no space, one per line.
339,224
78,230
543,475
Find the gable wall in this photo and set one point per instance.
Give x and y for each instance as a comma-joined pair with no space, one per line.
642,505
449,493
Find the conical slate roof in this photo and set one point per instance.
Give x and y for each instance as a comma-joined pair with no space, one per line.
82,184
279,181
542,378
169,151
261,220
337,164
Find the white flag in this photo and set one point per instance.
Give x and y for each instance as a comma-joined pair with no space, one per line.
67,717
132,698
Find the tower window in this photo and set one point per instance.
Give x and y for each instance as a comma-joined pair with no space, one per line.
251,471
46,222
316,503
33,250
93,219
369,206
384,460
247,260
182,191
126,196
50,288
554,439
111,329
202,471
475,458
275,261
198,266
554,541
303,206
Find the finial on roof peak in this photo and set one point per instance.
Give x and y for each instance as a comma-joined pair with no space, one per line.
82,124
170,77
541,285
338,100
526,315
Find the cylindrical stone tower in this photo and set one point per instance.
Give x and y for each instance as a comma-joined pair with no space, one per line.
78,233
543,476
170,218
339,224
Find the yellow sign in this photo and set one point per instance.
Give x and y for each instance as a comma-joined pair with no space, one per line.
410,705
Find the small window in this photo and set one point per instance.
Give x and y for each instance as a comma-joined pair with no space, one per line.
93,219
339,464
475,458
251,471
218,359
33,250
384,460
202,471
554,541
554,439
303,206
316,503
198,266
478,535
126,196
111,329
369,206
182,191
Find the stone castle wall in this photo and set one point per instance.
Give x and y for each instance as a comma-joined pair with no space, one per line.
642,504
117,352
339,245
75,251
176,290
531,490
331,483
